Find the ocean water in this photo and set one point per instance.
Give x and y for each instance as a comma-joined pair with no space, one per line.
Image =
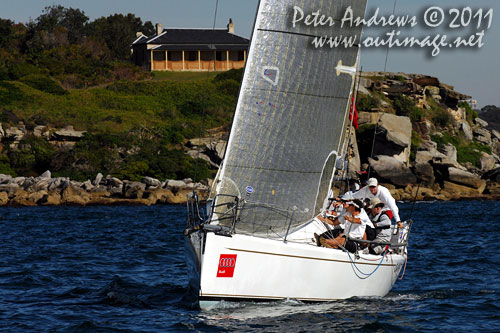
121,269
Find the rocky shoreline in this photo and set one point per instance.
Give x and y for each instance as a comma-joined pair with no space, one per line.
61,191
47,191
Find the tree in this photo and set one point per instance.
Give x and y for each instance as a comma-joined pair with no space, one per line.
74,20
56,26
118,31
6,32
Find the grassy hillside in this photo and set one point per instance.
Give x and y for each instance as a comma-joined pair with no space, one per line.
134,127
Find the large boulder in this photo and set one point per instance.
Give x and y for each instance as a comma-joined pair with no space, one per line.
68,134
73,195
483,135
450,151
51,199
465,129
59,183
451,97
46,175
368,117
424,156
481,122
395,137
175,184
151,182
392,170
455,191
425,80
5,179
493,175
14,133
487,162
465,178
97,179
133,190
425,173
4,198
41,131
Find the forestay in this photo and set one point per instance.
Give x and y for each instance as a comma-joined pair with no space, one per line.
290,116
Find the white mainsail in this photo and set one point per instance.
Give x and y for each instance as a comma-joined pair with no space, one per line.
291,114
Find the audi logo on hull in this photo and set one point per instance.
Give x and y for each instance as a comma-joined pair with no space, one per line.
227,263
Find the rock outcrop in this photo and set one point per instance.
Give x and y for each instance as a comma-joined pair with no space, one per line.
47,191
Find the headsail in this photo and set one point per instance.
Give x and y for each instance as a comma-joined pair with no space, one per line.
290,114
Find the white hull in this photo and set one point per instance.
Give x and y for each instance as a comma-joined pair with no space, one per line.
266,269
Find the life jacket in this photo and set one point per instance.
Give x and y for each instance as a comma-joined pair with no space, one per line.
389,214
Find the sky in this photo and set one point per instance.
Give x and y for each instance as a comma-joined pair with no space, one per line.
472,71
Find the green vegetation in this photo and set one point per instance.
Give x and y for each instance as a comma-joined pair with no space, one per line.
467,151
416,141
43,83
471,114
183,76
366,102
63,69
134,127
64,45
405,106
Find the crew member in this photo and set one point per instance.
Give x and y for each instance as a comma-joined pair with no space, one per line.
373,189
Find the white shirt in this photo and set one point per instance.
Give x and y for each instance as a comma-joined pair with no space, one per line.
358,230
383,194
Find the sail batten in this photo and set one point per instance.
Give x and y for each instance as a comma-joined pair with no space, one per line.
290,116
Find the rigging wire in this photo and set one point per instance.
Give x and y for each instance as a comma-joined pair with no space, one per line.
387,53
215,15
202,127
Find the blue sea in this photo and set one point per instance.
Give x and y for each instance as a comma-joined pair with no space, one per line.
121,269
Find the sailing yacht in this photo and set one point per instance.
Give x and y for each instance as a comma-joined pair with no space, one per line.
255,240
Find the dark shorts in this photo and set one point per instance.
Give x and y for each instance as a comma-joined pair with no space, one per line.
371,234
330,234
351,246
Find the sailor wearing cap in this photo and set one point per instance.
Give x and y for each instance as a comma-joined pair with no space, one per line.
373,189
380,217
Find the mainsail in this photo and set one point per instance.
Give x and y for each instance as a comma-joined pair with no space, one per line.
291,114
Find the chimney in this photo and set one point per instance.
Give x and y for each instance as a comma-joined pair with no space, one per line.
230,27
159,29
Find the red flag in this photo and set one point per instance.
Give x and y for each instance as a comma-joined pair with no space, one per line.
353,107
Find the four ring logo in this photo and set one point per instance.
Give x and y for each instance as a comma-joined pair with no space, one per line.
227,263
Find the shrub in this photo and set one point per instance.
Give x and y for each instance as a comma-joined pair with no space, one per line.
233,74
446,138
43,83
471,114
467,151
416,141
471,152
366,102
441,117
406,107
33,156
5,167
